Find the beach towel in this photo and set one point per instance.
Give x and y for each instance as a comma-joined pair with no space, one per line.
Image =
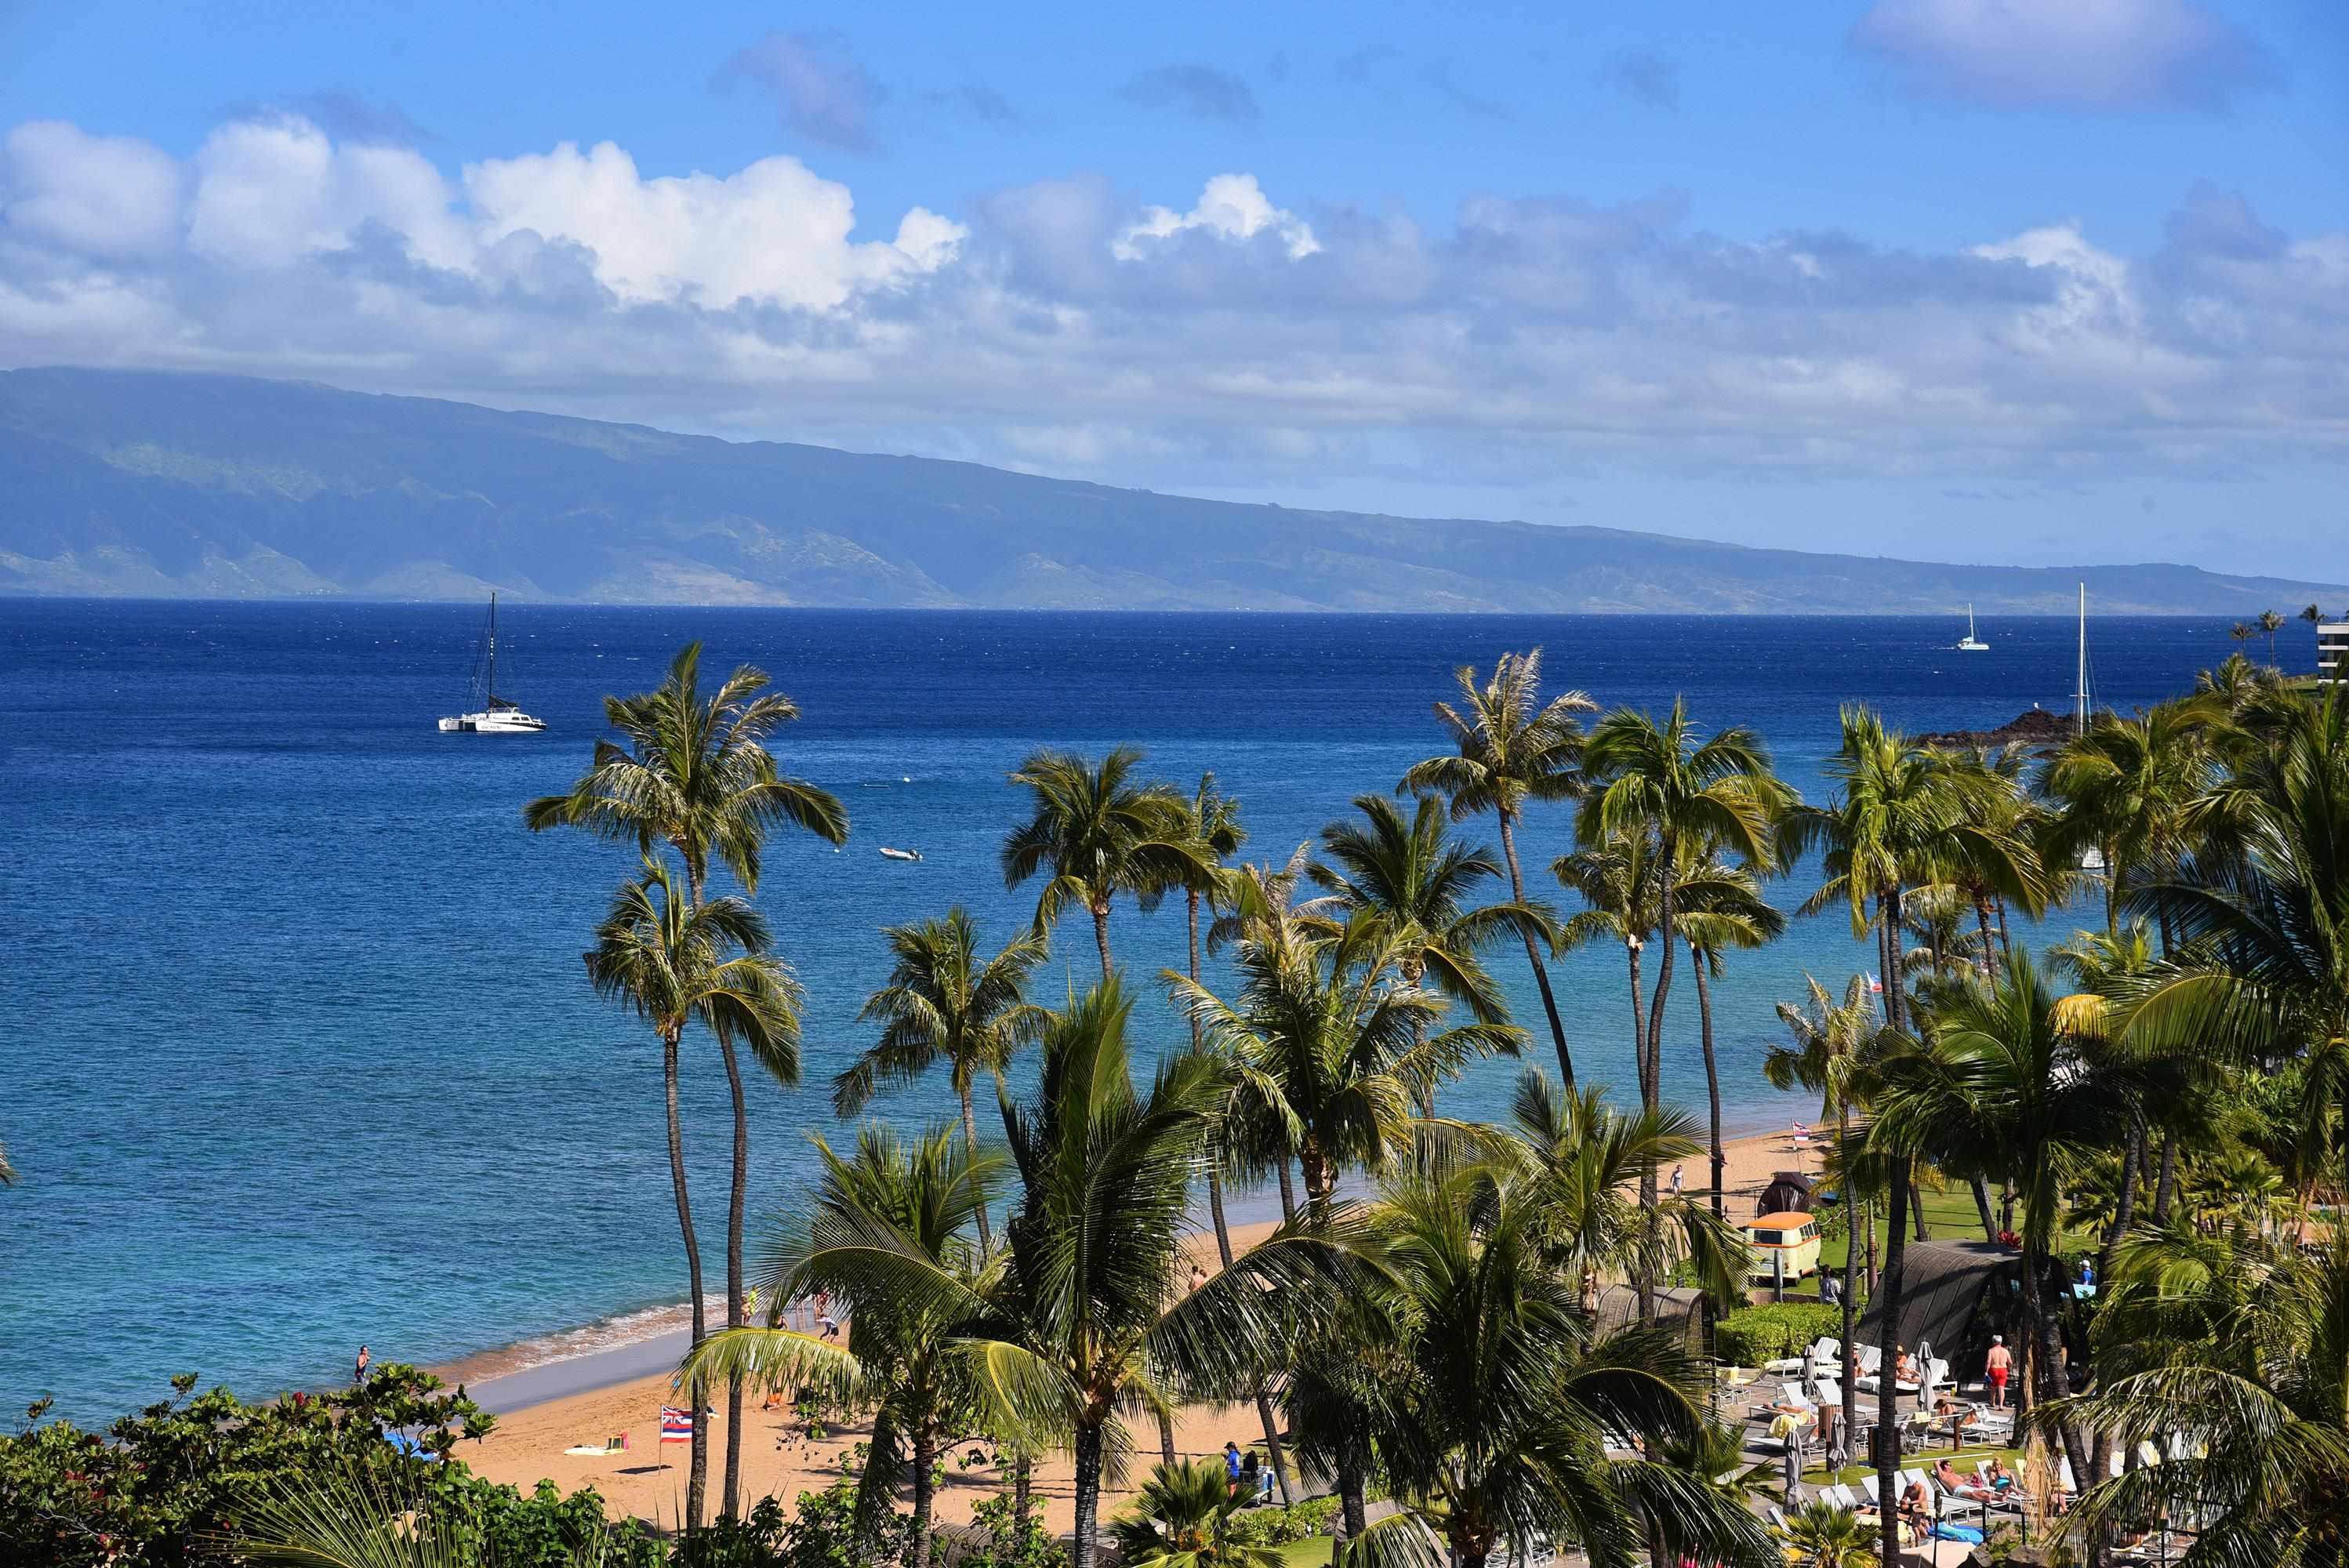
1965,1532
677,1426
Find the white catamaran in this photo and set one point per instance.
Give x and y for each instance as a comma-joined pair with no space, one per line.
1971,646
497,715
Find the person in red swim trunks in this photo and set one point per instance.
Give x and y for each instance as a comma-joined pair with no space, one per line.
1999,1364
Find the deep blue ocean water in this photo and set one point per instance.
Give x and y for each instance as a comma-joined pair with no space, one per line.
300,1053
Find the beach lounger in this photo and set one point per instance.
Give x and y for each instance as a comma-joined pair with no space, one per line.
1821,1350
2011,1501
1827,1392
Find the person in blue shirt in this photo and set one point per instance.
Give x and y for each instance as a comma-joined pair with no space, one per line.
1232,1468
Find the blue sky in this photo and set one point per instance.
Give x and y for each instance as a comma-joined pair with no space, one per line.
1977,279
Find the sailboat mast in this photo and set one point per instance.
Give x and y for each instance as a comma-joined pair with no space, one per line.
2080,686
493,649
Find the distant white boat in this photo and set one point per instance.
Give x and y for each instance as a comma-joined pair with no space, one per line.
1972,644
497,715
888,854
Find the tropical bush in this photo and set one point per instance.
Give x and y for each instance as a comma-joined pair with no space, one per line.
1279,1526
177,1482
1753,1335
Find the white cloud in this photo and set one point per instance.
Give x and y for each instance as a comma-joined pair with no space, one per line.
1232,207
773,233
98,196
2078,54
1229,345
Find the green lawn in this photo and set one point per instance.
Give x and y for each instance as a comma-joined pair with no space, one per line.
1313,1552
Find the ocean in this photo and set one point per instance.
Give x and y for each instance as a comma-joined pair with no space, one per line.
302,1053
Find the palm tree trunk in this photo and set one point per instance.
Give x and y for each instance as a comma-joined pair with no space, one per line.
2166,1185
1989,953
1651,1063
1352,1486
737,1199
2005,942
1874,1275
1023,1489
1224,1232
1541,976
1711,1077
1089,1480
698,1469
1854,1216
1896,1008
1917,1211
1888,1393
925,1495
1101,936
1982,1207
2124,1206
1639,1013
970,1145
2047,1352
1288,1193
1166,1438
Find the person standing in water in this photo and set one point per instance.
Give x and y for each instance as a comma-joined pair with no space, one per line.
358,1373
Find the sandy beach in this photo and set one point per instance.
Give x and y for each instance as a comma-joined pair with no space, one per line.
586,1399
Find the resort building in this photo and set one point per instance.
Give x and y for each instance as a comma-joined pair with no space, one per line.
2333,653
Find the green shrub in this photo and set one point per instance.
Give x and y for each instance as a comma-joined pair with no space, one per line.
1753,1335
1279,1526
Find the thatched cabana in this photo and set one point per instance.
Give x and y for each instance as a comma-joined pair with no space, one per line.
1679,1307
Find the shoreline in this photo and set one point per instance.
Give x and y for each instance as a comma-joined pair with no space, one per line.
633,1348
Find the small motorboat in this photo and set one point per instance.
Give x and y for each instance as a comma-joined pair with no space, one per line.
888,854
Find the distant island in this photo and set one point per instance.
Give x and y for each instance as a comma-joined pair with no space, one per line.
181,486
2034,726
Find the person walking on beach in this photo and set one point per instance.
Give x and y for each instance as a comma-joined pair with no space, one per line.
1998,1365
1198,1275
358,1373
1676,1181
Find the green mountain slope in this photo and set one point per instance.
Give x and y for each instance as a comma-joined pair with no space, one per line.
128,483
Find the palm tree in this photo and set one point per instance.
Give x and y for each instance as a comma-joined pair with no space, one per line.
1577,1156
1821,1535
672,960
1494,1434
1615,878
696,773
1417,879
1837,1051
902,1357
1722,911
1659,779
2242,632
1330,1058
2127,789
2262,974
1991,858
1512,749
1889,827
1212,825
2312,615
1100,834
1182,1517
2011,1089
2270,623
2240,1348
942,1004
1090,1323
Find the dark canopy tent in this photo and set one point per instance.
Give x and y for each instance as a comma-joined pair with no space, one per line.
1956,1295
1789,1192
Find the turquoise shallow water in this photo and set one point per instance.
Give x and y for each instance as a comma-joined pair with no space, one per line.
300,1052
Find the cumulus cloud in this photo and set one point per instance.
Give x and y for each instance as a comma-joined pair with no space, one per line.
823,90
1232,207
1244,335
1203,92
2069,54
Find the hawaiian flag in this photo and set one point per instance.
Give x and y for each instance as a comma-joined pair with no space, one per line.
677,1426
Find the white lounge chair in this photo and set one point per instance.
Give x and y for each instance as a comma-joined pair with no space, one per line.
1820,1350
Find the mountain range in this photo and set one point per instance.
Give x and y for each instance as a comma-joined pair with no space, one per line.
158,485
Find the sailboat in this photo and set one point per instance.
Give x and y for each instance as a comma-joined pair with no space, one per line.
2092,857
497,715
1972,644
